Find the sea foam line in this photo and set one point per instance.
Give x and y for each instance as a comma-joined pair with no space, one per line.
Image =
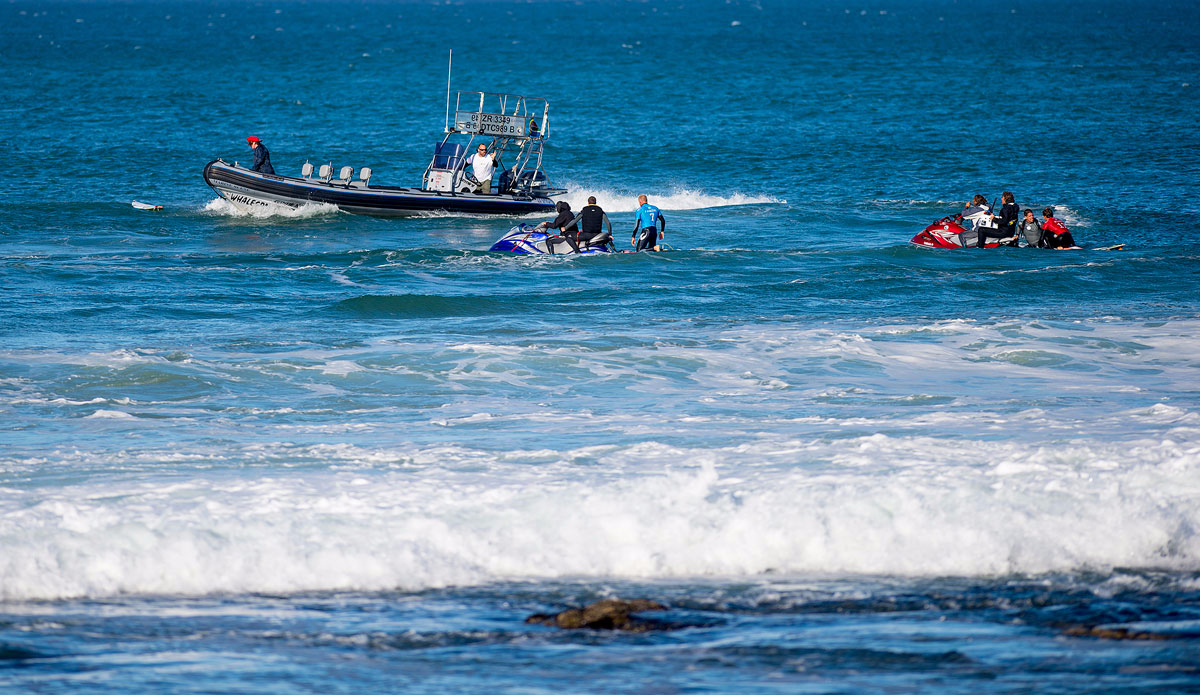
913,506
678,198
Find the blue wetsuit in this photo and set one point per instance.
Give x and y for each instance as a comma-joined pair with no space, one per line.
648,219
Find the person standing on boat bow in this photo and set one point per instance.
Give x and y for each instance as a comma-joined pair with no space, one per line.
648,219
262,158
483,165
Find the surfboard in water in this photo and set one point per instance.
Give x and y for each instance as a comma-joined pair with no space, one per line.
146,206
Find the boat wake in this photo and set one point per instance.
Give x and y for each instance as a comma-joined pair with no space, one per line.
220,206
622,201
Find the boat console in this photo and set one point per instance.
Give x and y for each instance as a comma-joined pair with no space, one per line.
513,127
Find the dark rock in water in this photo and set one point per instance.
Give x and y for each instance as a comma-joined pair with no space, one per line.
609,614
1113,633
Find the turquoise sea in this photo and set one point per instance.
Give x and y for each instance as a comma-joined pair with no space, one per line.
315,452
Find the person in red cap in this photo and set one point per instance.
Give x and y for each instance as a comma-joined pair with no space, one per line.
262,158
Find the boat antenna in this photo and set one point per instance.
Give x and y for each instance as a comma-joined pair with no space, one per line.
449,64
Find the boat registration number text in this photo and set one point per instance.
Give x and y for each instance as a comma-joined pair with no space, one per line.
489,123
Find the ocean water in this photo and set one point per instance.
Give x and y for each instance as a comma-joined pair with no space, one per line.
314,452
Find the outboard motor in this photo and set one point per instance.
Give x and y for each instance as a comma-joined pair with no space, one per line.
531,179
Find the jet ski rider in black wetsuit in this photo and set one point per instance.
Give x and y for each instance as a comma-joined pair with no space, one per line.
563,223
590,220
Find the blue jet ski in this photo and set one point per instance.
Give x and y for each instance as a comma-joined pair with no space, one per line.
531,240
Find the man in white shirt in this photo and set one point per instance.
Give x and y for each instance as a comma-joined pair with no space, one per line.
483,165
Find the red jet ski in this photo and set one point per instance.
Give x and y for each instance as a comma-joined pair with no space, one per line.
949,233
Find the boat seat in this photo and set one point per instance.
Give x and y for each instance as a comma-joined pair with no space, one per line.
306,170
364,176
448,156
326,172
346,175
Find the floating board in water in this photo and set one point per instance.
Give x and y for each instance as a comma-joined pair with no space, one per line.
146,206
1114,247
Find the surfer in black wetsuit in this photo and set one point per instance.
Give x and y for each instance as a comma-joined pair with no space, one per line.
262,158
591,219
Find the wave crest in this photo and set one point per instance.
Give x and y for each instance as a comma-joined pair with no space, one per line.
422,517
678,198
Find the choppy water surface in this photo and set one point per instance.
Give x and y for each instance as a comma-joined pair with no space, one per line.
318,452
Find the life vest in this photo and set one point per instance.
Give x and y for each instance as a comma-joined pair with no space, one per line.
592,221
979,216
1032,232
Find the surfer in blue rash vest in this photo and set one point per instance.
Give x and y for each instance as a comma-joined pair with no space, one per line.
653,226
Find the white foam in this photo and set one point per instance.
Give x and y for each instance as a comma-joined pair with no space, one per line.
447,515
614,201
221,206
1069,216
1039,467
679,198
110,414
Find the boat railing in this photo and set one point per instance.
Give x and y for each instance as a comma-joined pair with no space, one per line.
504,121
500,115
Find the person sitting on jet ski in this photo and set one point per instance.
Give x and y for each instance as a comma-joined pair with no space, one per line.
1059,236
979,214
1032,231
564,223
1008,217
589,220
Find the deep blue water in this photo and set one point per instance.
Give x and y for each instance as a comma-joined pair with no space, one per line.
316,452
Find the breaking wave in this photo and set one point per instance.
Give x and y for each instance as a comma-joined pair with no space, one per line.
674,199
417,517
